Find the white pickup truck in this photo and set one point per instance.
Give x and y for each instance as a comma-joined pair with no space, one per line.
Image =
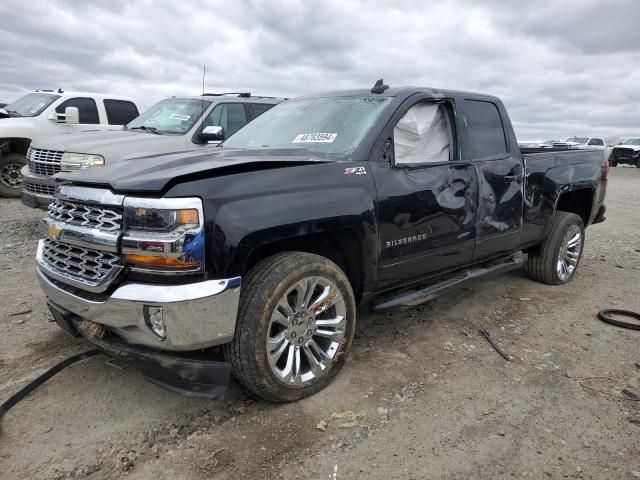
172,125
585,143
44,113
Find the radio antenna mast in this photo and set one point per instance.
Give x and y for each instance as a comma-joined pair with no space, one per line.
204,74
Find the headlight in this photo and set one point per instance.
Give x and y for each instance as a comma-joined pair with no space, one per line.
161,220
164,235
76,161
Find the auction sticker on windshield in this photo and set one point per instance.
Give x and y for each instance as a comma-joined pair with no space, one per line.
37,107
181,117
315,138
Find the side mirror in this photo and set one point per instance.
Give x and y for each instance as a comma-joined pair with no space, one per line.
212,134
388,154
71,115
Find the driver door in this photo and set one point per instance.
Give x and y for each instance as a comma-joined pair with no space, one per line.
426,195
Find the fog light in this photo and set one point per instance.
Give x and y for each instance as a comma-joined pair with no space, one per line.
153,317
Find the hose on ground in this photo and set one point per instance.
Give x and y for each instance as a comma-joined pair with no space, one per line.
22,393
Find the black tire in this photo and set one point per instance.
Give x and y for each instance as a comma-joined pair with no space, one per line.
10,176
265,284
542,265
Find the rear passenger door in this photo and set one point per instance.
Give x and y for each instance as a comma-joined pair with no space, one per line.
426,194
500,172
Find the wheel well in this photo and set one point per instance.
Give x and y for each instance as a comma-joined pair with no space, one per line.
15,145
341,247
579,202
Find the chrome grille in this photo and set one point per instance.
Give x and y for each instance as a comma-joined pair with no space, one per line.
108,219
44,162
38,189
81,264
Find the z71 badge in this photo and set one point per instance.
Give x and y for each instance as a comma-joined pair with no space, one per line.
355,171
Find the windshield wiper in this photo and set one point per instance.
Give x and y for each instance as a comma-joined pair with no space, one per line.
146,129
13,113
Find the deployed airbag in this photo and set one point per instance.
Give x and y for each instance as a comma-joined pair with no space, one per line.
422,135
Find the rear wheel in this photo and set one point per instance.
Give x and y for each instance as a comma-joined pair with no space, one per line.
295,325
10,176
557,260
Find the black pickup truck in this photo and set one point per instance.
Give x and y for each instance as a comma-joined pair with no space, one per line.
252,258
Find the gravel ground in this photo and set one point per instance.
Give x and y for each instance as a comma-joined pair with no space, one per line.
422,395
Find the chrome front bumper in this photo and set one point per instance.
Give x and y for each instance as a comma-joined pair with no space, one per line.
196,315
34,187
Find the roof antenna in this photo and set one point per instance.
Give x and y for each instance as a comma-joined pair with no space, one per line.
379,87
204,74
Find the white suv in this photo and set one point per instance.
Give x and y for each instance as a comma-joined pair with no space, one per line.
44,113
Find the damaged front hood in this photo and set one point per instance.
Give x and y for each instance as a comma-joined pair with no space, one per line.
154,173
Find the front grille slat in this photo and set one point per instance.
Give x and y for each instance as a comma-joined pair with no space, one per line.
44,163
91,216
82,264
38,189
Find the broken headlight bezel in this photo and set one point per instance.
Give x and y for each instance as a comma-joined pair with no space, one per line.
164,236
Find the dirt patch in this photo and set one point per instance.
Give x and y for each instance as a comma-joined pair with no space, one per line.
421,396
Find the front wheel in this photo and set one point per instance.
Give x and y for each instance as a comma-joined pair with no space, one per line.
10,176
295,324
558,257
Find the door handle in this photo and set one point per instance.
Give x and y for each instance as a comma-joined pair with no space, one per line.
513,178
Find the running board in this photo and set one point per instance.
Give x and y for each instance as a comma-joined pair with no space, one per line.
416,297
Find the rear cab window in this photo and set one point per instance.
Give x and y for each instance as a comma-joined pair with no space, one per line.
120,112
485,130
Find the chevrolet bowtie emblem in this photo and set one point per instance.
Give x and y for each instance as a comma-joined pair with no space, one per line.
53,231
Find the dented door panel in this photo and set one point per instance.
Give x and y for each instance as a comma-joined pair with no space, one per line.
427,219
500,187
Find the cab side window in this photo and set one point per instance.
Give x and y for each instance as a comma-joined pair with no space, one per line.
120,112
86,107
230,116
485,130
260,108
423,135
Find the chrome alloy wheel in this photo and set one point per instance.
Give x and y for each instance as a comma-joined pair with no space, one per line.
569,253
305,331
10,175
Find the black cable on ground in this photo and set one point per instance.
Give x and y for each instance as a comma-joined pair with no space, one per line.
606,316
495,346
15,398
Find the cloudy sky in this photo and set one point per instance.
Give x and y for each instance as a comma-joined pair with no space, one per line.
562,68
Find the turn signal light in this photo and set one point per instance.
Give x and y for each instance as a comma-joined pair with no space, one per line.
166,262
189,217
